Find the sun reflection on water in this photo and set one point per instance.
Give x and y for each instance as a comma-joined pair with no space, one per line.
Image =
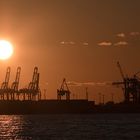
10,126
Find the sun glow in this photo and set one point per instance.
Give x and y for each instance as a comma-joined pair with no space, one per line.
6,49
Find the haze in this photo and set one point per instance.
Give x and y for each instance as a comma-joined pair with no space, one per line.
80,40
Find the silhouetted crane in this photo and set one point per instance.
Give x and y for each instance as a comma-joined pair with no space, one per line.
131,87
62,91
5,85
33,88
15,84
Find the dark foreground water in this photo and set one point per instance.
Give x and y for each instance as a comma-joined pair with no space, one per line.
70,127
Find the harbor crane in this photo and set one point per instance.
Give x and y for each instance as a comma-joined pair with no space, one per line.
63,91
33,88
15,85
32,92
5,85
131,86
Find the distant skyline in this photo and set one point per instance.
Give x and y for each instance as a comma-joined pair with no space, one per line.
80,40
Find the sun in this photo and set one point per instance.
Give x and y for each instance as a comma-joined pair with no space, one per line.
6,49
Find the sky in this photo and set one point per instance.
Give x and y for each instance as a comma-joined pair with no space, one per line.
81,40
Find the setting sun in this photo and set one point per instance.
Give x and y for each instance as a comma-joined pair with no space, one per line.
6,49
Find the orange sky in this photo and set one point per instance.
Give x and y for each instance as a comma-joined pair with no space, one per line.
80,40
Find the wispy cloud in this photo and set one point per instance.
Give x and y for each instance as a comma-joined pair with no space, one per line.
125,39
85,43
73,83
122,35
134,33
67,43
121,43
72,43
105,43
75,44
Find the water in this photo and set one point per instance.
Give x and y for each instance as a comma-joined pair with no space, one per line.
70,127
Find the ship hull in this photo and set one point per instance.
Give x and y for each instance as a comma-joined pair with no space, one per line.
45,107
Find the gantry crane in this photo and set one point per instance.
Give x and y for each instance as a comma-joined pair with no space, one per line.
131,87
5,85
33,88
15,85
63,91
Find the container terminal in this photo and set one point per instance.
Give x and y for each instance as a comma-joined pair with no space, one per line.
28,100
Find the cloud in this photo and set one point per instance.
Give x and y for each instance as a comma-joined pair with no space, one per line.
73,44
131,39
122,35
67,43
134,33
104,43
121,43
73,83
85,44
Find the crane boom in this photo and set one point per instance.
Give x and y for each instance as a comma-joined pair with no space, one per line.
120,68
7,77
16,82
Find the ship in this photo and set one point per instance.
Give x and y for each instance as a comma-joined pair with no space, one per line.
46,107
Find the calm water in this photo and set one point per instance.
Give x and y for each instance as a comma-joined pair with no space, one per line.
70,127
